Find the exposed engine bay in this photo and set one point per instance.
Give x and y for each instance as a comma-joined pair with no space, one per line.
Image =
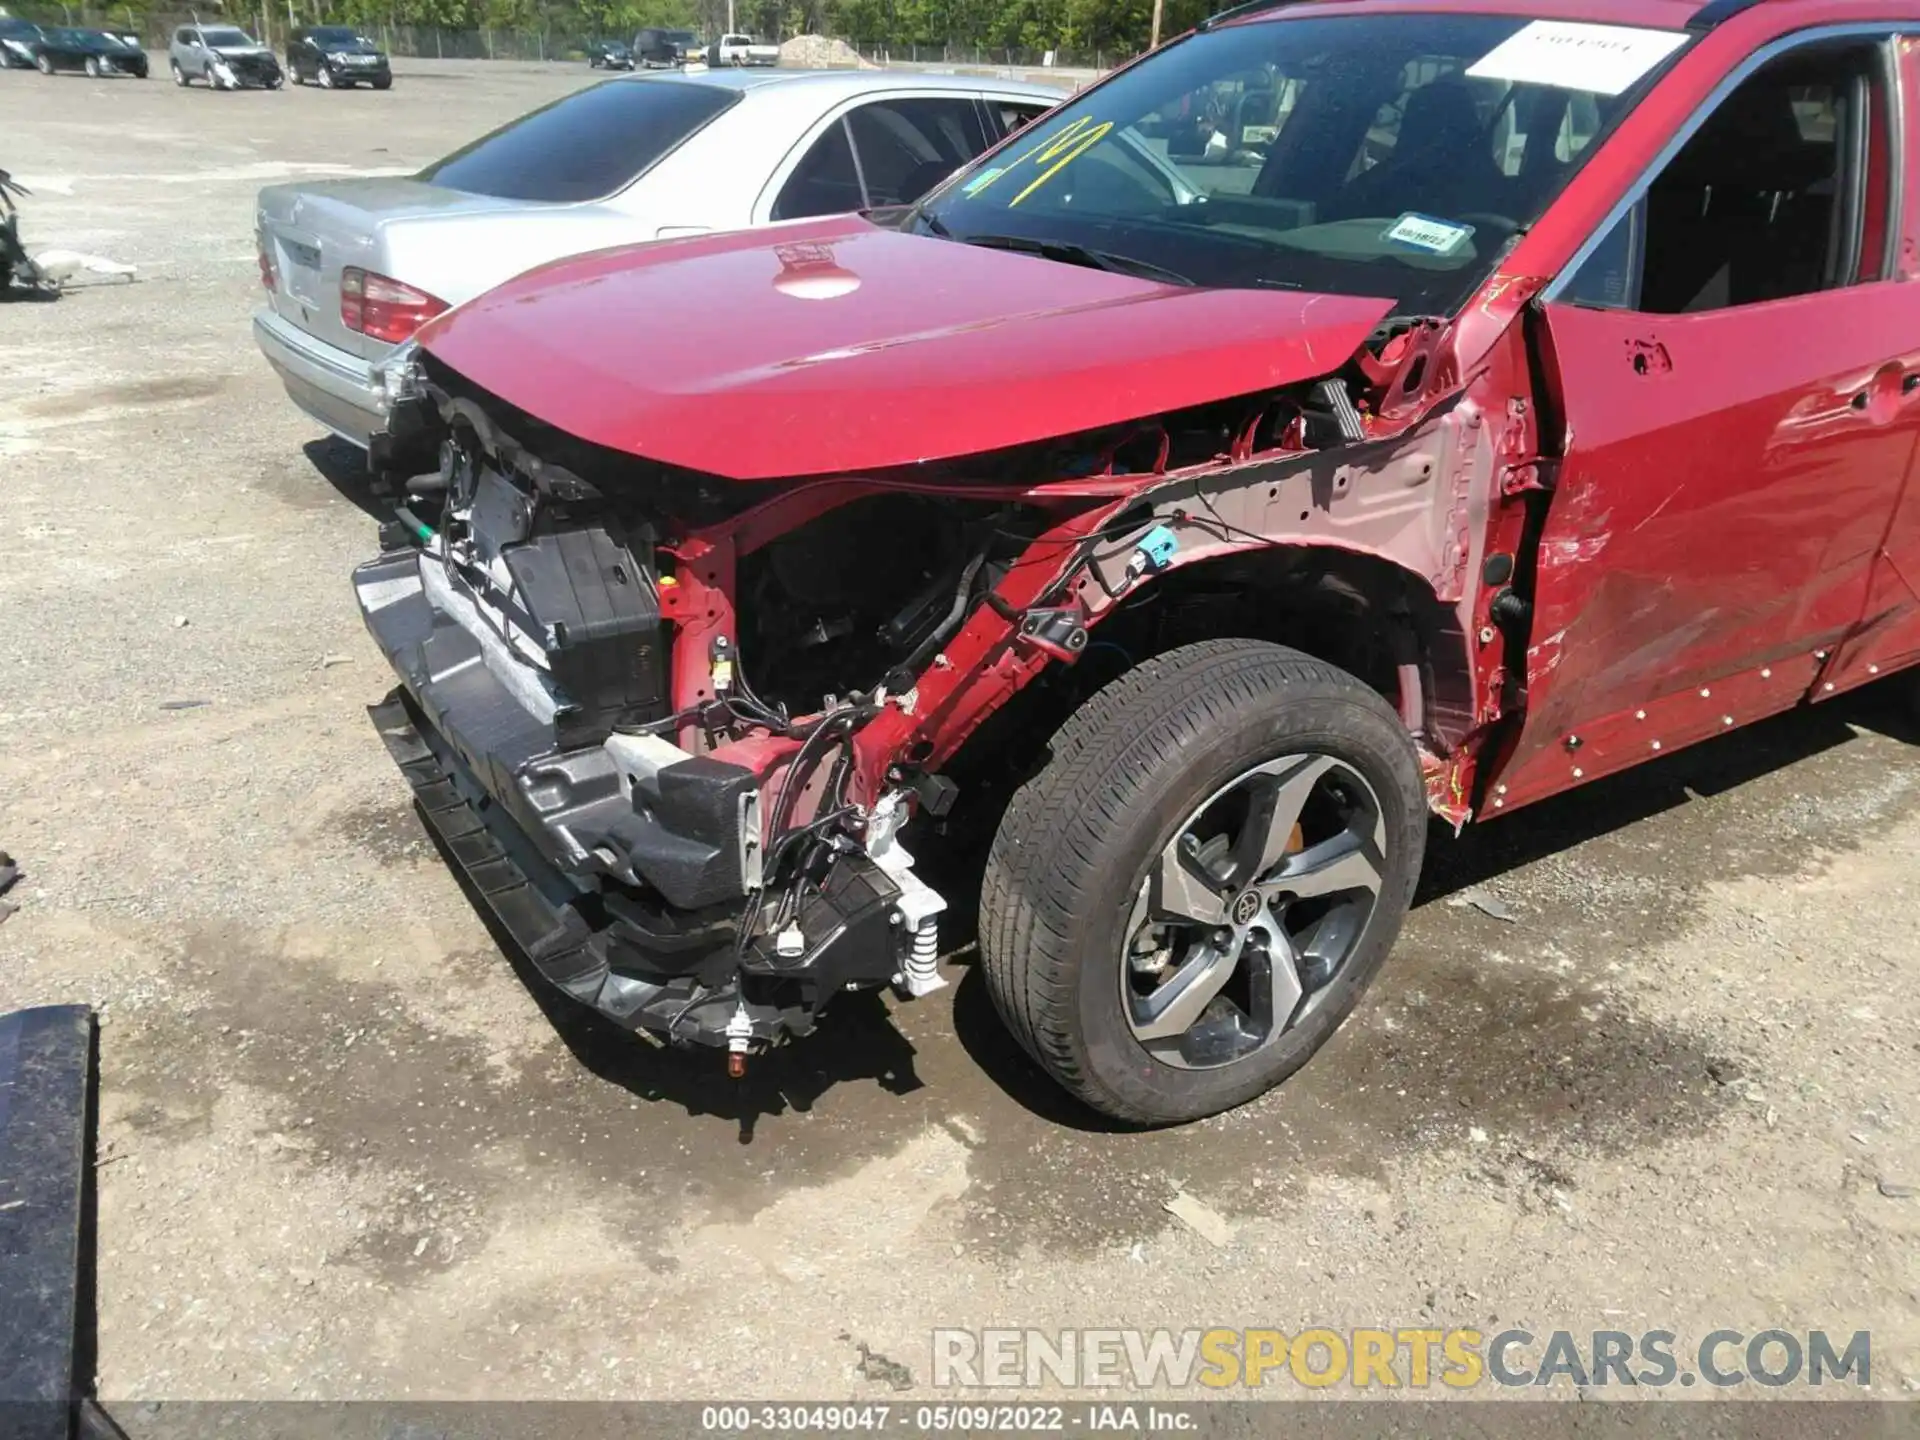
673,726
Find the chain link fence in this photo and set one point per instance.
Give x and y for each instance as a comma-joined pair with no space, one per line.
993,55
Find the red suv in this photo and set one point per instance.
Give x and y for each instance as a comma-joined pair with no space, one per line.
1345,413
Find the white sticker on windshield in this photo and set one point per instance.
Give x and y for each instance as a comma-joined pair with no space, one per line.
1424,232
1600,59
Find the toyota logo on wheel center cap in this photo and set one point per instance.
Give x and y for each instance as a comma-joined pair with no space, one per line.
1246,906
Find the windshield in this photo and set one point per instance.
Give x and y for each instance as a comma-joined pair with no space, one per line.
340,38
585,146
225,37
1396,156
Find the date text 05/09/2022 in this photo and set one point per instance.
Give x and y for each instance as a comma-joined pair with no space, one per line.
957,1418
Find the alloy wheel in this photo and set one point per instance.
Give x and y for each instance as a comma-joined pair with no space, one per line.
1251,910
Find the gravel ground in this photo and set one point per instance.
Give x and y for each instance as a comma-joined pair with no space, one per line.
349,1151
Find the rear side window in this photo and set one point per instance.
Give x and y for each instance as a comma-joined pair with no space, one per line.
907,147
585,146
825,182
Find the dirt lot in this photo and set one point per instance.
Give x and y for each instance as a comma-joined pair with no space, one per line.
349,1151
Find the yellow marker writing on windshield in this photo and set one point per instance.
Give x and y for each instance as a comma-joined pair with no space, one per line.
1075,138
1069,146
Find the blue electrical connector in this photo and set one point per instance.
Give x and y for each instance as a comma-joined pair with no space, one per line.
1157,548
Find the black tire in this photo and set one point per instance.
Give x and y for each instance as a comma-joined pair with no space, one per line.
1074,848
384,84
93,67
44,64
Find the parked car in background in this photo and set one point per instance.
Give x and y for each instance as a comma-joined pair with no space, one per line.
336,57
97,53
17,38
224,56
609,55
745,50
660,49
353,267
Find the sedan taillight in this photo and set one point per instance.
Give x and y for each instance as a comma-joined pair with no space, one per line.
383,308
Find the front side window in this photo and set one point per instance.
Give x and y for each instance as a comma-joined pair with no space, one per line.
1784,190
1389,155
584,146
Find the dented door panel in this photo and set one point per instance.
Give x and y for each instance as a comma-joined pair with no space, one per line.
1888,635
1726,481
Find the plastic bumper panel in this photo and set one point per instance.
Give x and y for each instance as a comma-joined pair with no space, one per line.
46,1059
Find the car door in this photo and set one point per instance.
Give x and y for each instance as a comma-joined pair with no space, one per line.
1888,637
1728,362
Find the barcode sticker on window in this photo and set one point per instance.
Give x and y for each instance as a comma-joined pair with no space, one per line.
1424,232
1599,59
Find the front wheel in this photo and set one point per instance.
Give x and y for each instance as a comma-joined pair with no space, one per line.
385,82
325,78
179,75
93,66
45,65
1182,907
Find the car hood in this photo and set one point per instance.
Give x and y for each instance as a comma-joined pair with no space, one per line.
241,52
839,346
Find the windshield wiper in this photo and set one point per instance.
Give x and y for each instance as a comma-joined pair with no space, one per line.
1068,253
935,225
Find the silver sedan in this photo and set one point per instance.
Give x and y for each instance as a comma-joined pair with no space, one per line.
353,267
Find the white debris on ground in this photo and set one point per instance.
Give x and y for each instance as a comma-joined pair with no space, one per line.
817,52
59,267
1206,1222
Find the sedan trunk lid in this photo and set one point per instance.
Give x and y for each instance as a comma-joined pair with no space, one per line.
313,230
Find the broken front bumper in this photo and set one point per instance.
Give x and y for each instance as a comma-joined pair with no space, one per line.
625,870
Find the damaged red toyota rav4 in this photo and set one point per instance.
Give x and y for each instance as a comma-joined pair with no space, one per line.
1347,412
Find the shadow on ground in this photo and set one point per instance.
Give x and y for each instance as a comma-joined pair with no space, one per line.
860,1041
344,467
1516,1031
